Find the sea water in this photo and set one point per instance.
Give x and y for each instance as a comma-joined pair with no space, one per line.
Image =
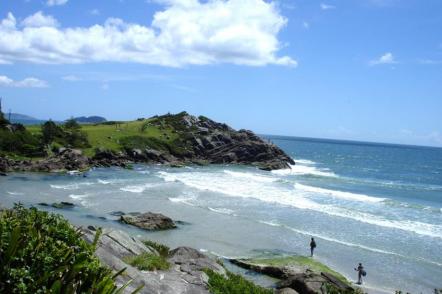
377,204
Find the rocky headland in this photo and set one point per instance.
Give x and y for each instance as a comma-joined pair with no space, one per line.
175,140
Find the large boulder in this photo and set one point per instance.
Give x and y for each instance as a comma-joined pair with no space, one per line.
148,221
185,276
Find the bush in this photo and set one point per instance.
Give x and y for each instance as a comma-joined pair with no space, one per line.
233,284
162,249
21,142
41,252
148,262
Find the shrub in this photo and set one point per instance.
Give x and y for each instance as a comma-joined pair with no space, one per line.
41,252
162,249
233,284
21,142
148,262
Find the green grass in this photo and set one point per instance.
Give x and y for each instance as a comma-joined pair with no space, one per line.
110,136
162,249
148,262
298,261
233,284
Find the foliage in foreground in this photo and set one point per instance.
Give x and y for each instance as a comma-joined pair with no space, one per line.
41,252
233,284
162,249
148,262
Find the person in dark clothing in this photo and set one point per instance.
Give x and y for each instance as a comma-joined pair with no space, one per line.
312,246
361,273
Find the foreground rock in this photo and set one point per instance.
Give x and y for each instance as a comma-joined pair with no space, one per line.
148,221
303,278
185,276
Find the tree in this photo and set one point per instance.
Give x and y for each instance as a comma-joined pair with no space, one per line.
50,131
71,124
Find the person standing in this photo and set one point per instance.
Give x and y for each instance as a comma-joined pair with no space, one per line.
361,273
312,246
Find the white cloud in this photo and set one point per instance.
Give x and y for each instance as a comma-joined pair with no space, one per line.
306,25
71,78
56,2
185,32
386,58
94,12
324,6
38,19
26,83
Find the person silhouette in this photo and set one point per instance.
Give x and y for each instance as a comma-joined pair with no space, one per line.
312,246
361,273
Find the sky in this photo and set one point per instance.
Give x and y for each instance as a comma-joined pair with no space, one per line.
368,70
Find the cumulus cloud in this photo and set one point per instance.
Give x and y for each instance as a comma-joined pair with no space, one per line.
324,6
56,2
26,83
386,58
39,20
185,32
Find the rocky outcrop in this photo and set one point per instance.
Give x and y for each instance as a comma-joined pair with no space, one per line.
300,278
202,139
185,275
188,140
65,160
148,221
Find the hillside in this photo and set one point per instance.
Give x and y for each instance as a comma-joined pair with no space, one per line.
168,139
90,119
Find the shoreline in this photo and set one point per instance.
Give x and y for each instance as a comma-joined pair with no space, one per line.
103,173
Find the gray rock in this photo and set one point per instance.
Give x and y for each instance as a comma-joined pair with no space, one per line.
185,275
286,291
148,221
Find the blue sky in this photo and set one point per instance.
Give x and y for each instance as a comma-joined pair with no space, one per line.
363,70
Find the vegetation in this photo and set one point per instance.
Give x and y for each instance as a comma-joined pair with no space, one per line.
148,262
164,133
16,139
162,249
233,284
69,134
300,261
41,252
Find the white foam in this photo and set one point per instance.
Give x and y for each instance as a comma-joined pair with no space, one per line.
184,200
304,161
221,210
167,177
14,193
74,172
70,186
250,176
78,196
272,193
137,188
104,182
299,169
338,194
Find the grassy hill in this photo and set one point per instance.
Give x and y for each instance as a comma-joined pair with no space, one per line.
109,135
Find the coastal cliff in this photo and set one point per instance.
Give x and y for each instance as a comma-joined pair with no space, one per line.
173,139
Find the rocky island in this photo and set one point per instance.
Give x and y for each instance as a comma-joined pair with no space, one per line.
173,139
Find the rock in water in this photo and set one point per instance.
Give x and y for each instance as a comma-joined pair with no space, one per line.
148,221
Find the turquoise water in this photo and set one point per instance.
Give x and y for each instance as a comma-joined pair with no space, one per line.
371,203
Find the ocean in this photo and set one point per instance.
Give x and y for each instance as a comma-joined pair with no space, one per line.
377,204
